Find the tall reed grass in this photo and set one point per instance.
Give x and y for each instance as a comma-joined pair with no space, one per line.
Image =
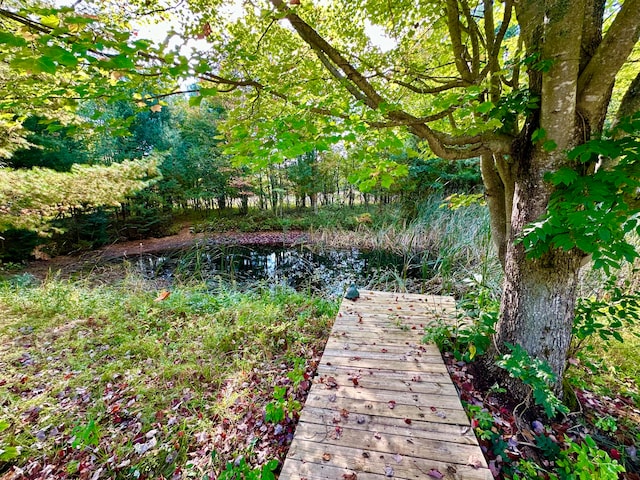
453,248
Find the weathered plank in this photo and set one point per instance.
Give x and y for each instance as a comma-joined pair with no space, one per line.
382,404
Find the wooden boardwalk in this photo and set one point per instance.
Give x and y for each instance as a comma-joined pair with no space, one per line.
383,405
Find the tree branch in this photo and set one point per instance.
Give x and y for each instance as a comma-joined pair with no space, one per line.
630,103
446,146
428,90
495,196
597,78
476,38
455,33
372,98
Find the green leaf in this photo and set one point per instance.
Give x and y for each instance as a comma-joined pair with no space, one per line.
564,176
121,61
484,107
538,134
386,180
8,38
208,92
46,65
60,55
50,20
549,145
8,453
195,100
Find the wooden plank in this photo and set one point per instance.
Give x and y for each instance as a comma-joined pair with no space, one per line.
430,413
359,394
382,404
379,441
417,428
358,460
413,349
393,365
435,383
383,354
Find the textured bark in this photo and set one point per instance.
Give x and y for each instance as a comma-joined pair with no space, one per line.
495,194
538,306
631,101
538,296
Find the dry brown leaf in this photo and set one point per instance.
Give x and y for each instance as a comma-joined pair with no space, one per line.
163,295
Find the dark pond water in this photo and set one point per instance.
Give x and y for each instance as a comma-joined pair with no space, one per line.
328,271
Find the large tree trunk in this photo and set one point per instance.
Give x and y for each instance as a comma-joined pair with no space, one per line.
538,298
537,307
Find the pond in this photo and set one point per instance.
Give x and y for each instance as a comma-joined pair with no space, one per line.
326,271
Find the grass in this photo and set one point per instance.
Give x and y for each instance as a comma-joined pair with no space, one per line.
326,217
452,247
106,377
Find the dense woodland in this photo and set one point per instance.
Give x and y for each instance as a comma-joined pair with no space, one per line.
195,177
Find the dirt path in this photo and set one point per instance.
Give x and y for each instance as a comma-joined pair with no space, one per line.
72,263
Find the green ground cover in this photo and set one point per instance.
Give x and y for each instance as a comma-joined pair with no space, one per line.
120,380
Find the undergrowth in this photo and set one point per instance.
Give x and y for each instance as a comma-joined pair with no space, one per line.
596,433
128,381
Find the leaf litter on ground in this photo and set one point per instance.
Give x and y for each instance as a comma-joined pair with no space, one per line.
529,437
103,382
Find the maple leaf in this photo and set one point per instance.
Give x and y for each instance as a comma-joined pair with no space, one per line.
331,383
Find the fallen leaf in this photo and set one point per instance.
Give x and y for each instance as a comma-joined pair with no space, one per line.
433,473
392,404
474,461
349,476
388,471
407,421
331,383
326,456
163,295
377,436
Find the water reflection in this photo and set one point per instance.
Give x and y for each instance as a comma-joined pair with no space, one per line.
302,268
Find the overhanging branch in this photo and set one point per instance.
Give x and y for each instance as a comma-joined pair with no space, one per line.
597,78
